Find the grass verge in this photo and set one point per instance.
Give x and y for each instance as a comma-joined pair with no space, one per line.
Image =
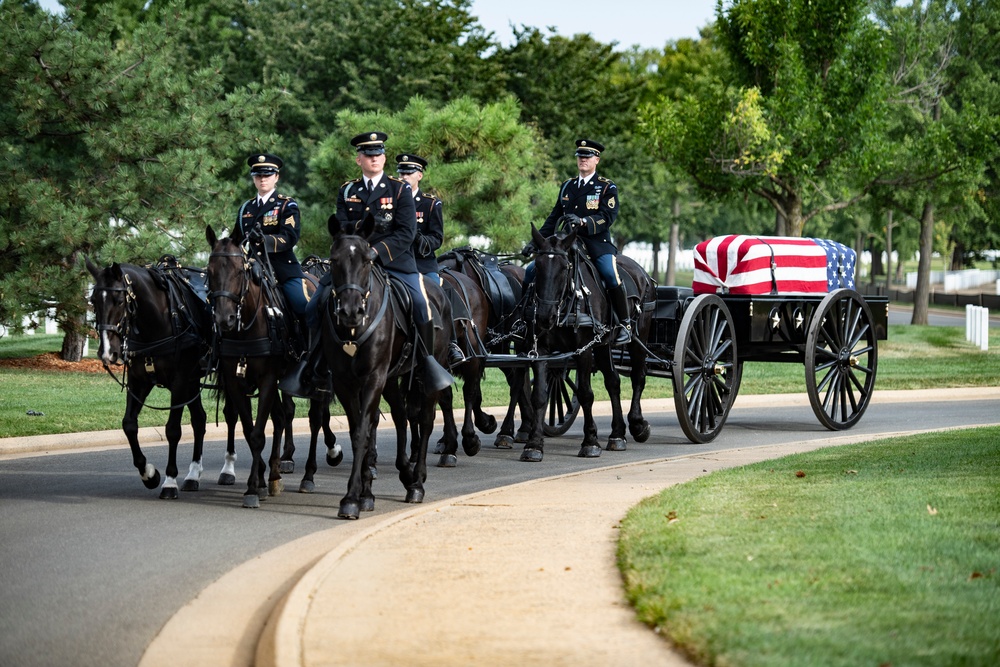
883,553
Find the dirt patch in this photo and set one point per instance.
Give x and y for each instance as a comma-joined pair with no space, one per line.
50,361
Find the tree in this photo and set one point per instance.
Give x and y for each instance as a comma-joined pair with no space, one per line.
796,117
109,150
944,123
484,163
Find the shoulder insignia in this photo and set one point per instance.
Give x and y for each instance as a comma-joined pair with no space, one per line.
611,203
603,180
282,196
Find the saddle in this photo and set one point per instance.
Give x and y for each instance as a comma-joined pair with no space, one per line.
584,264
502,292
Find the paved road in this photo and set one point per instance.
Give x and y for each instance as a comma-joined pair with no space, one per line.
94,565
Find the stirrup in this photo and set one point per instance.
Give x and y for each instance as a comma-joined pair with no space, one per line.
623,335
455,356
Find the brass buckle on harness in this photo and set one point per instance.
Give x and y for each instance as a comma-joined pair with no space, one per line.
241,368
149,365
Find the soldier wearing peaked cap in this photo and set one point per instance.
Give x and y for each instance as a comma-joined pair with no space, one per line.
430,230
589,204
273,220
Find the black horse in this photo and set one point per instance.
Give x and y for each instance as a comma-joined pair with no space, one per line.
254,349
489,329
569,314
153,323
367,344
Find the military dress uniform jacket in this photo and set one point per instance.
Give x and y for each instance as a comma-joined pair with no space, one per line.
395,219
279,220
430,231
596,205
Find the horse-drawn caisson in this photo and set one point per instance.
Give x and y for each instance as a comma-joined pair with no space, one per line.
753,299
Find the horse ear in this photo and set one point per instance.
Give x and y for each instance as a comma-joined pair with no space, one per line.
537,237
333,225
237,235
116,271
368,225
94,271
569,240
210,236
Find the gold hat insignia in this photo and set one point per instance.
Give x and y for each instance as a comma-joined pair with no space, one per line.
260,158
374,136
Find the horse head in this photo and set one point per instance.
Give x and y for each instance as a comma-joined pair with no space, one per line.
228,281
109,300
351,262
553,276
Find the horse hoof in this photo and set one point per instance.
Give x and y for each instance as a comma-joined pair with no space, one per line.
531,455
439,447
414,495
521,437
589,451
190,485
169,493
153,481
489,425
640,432
472,445
307,486
286,467
374,472
251,501
348,510
276,487
225,479
447,461
504,442
333,460
368,504
616,445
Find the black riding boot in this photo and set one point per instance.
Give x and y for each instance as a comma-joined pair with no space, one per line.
455,356
310,377
435,376
619,301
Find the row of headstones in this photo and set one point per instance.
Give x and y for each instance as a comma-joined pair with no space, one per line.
977,326
43,323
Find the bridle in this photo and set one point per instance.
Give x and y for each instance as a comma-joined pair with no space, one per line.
240,298
368,327
567,285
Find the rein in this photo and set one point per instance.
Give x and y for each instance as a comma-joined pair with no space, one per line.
350,346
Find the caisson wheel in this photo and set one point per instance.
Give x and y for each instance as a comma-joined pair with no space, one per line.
841,359
706,372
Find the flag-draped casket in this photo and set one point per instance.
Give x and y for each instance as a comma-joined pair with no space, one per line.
738,264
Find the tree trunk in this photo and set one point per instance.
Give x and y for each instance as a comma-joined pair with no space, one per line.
74,338
780,227
793,214
888,252
656,258
877,269
958,257
921,295
675,228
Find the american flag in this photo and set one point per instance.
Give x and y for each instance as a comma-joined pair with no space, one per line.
737,264
841,262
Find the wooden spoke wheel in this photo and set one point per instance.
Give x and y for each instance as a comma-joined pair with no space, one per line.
841,359
706,372
563,405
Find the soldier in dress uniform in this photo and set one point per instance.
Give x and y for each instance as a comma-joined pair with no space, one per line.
390,201
589,204
430,230
275,217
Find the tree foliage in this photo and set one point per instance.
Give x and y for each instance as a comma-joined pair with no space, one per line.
109,150
484,163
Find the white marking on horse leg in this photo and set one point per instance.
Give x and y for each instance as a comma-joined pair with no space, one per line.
230,465
334,451
194,471
170,483
149,473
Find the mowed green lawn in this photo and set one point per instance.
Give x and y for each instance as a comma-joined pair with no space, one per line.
914,357
882,553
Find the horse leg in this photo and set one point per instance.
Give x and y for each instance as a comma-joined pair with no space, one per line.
472,393
130,425
308,483
448,445
173,432
533,448
227,476
251,497
516,379
362,416
334,452
282,425
199,422
589,448
287,464
637,424
420,409
612,382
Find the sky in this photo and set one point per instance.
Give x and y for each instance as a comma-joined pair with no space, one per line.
649,23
